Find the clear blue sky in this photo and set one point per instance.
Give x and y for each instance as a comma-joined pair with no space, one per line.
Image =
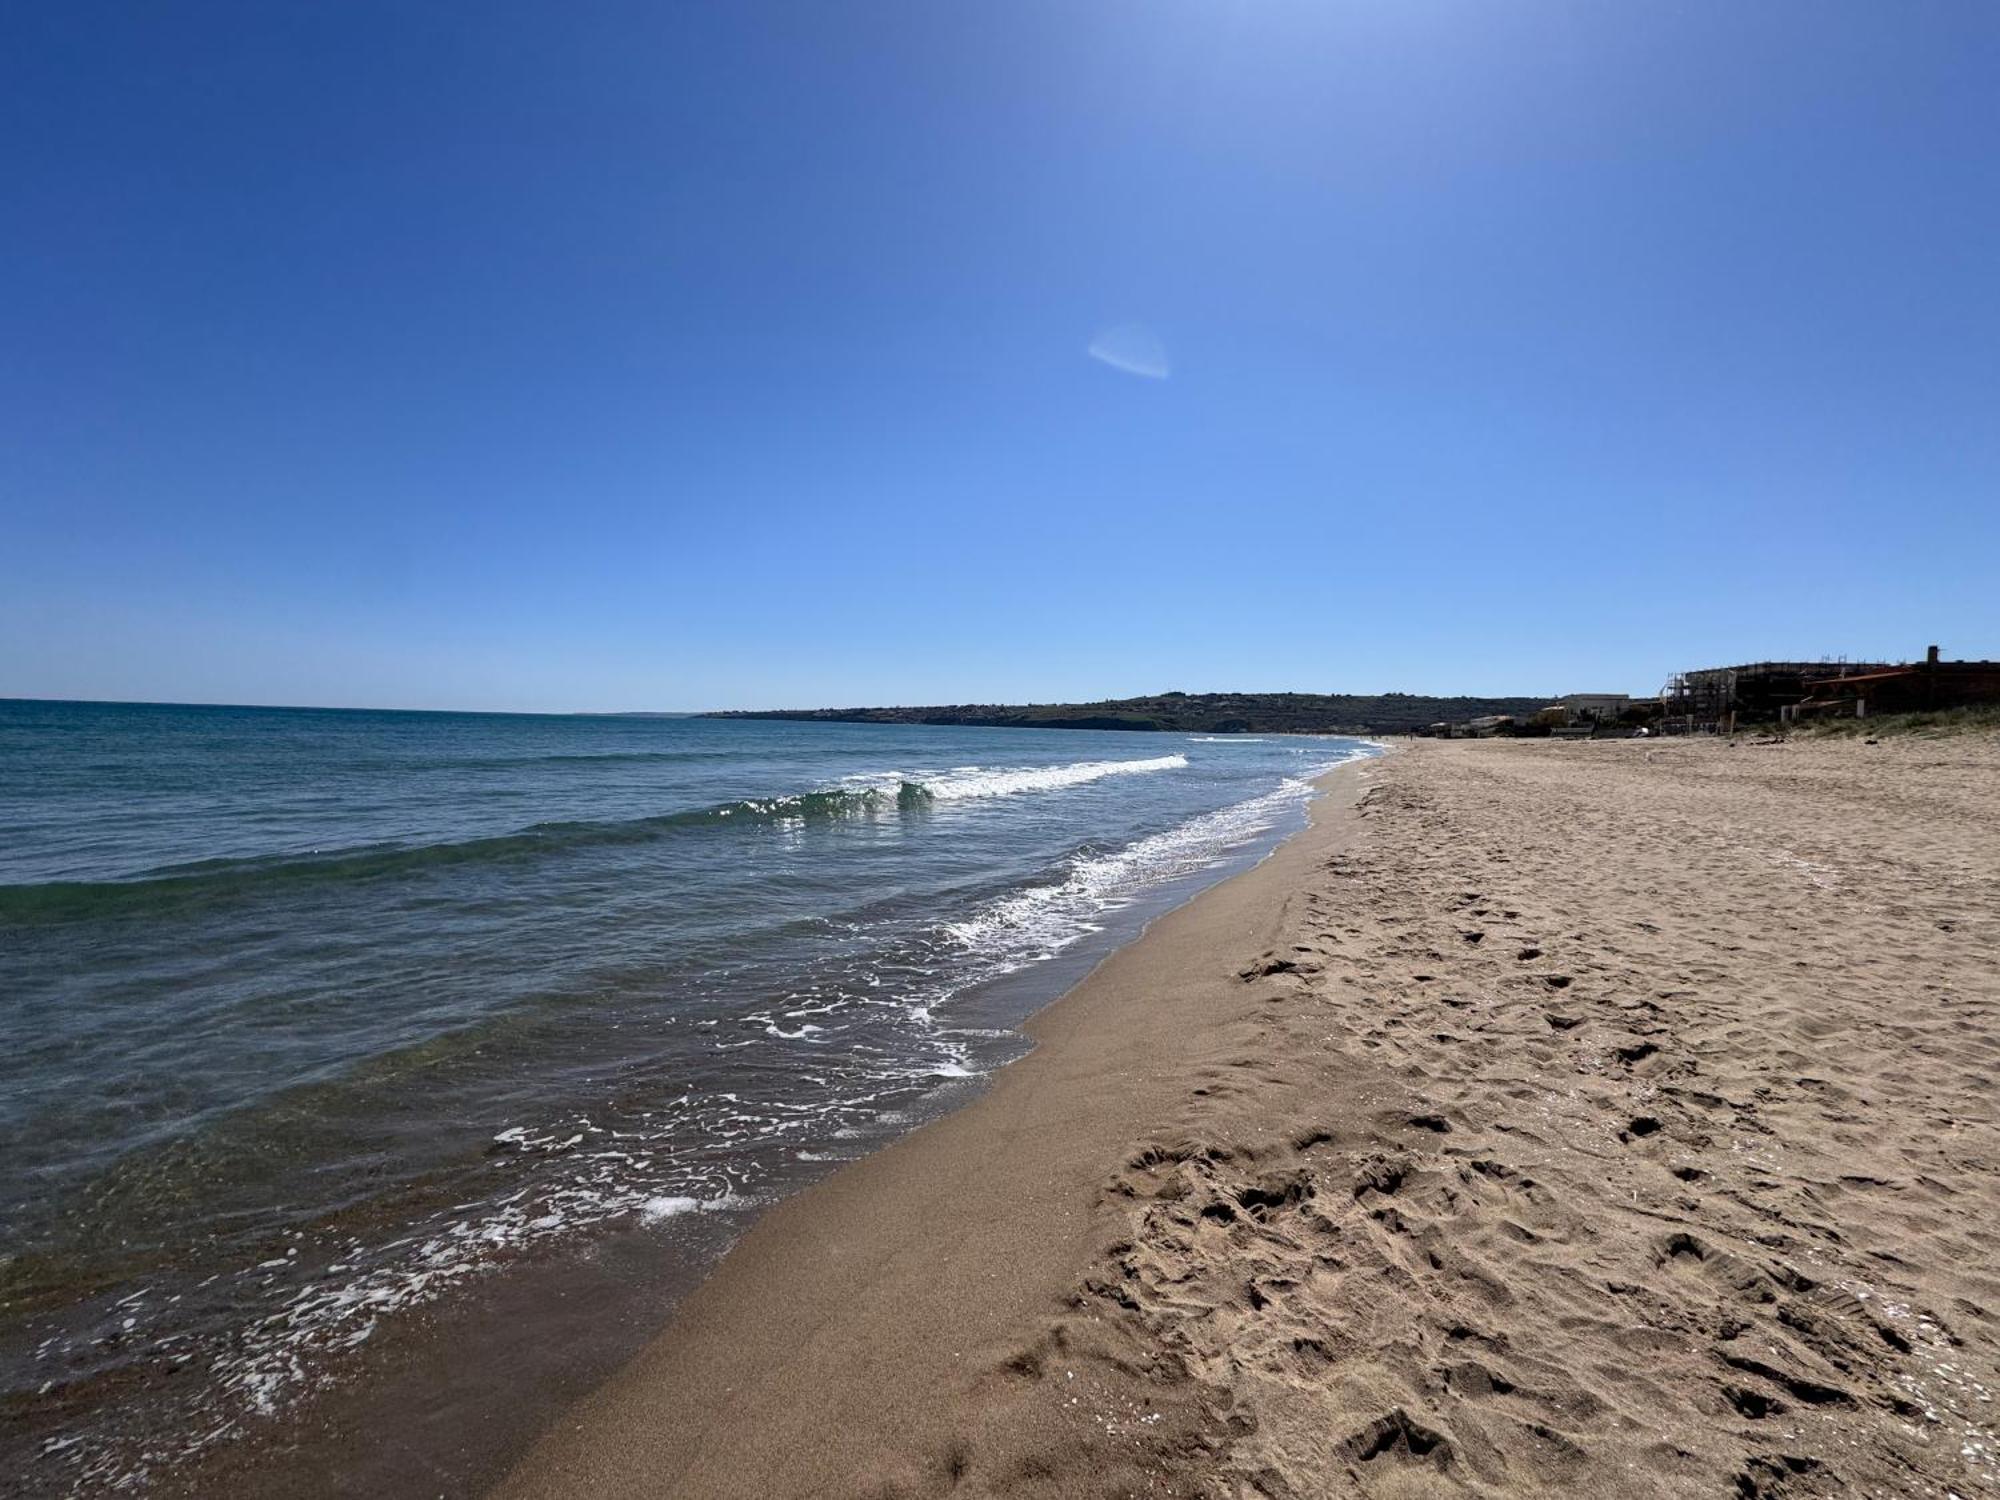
668,355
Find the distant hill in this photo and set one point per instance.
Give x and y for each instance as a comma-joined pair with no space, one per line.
1196,713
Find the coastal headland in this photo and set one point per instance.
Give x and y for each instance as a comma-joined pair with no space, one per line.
1613,1118
1185,713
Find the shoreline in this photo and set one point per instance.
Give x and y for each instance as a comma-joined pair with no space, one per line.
833,1343
448,1399
1600,1118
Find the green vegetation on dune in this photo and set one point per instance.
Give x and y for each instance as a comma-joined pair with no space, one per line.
1190,713
1980,718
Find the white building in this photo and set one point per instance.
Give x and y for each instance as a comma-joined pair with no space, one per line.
1605,706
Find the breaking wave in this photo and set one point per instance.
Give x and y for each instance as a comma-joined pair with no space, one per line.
204,882
1038,922
980,781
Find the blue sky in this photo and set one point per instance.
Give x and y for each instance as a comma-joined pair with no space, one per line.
672,356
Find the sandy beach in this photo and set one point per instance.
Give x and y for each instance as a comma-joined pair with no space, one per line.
754,751
1611,1117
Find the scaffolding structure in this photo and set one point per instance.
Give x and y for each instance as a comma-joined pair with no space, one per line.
1712,700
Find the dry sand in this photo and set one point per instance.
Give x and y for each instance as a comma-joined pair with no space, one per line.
1608,1118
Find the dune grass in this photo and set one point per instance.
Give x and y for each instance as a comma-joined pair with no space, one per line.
1981,718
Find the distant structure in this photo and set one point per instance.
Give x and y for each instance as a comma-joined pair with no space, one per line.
1601,708
1575,716
1927,684
1716,699
1712,699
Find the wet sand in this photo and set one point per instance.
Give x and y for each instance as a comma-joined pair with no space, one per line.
1614,1118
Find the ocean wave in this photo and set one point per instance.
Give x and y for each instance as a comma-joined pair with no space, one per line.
916,789
204,882
1030,925
978,781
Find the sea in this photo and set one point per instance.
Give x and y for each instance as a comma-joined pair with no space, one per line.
316,1024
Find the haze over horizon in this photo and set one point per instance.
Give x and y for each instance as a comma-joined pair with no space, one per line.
629,357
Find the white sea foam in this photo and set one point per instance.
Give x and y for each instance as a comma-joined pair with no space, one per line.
1224,739
965,782
325,1313
655,1209
1037,923
976,781
805,1031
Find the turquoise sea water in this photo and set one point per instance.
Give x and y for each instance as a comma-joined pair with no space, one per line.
309,1017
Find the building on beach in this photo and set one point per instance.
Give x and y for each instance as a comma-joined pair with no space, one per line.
1602,708
1715,698
1914,688
1718,698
